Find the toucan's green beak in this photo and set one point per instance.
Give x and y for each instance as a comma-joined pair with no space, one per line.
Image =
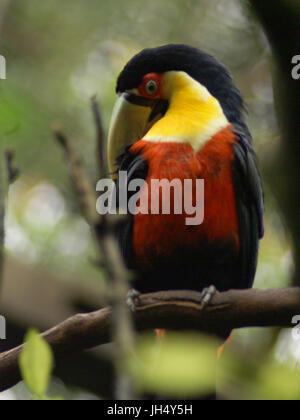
131,118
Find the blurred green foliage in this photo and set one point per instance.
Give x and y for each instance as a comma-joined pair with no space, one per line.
36,364
185,365
3,193
181,365
249,378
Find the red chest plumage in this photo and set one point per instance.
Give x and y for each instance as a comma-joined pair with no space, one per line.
163,235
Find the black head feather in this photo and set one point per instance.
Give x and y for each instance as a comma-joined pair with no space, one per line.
201,66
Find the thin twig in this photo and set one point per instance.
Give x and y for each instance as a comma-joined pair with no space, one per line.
100,137
119,284
122,329
113,264
80,178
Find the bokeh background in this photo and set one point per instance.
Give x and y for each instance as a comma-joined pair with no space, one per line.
59,54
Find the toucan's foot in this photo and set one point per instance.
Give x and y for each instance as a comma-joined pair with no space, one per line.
207,295
132,295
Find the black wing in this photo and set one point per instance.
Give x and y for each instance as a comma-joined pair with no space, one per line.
136,168
250,207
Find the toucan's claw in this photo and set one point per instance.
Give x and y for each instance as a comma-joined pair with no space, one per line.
132,295
207,295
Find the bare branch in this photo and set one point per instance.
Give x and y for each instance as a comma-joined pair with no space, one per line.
100,137
80,178
118,275
111,258
170,310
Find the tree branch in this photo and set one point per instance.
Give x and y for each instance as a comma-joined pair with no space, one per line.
170,310
103,228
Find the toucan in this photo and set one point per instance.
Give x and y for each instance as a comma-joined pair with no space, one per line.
180,116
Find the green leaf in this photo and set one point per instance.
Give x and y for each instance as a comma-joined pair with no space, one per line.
181,365
278,381
242,377
36,363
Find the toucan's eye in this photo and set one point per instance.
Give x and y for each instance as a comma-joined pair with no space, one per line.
151,87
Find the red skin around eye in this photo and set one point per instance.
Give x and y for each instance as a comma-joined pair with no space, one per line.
150,76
